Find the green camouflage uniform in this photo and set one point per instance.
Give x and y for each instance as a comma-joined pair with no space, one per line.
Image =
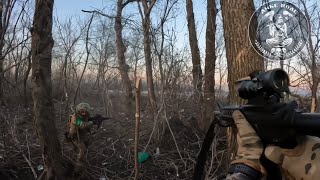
79,127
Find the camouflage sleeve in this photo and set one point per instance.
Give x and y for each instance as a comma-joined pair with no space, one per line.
85,125
79,123
302,162
238,176
72,124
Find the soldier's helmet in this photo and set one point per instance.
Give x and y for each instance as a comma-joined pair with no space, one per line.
82,106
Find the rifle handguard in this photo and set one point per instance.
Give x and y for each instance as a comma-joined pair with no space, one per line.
98,119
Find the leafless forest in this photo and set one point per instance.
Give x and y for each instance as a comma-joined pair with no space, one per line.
49,64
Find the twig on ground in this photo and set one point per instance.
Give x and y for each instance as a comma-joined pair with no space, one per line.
31,167
174,139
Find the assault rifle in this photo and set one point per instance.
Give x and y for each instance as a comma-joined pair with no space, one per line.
98,119
275,122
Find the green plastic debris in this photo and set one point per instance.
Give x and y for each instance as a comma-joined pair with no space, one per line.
40,167
142,157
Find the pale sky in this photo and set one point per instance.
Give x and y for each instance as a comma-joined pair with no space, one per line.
67,8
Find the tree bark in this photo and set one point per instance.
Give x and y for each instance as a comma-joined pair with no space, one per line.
25,79
241,57
147,7
210,60
312,55
42,44
2,102
137,129
196,61
1,58
123,67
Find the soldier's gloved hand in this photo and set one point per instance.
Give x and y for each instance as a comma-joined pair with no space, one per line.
250,149
302,162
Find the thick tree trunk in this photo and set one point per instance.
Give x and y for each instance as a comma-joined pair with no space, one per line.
241,57
210,60
2,102
196,61
123,67
42,44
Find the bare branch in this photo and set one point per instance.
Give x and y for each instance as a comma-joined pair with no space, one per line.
16,64
129,1
98,12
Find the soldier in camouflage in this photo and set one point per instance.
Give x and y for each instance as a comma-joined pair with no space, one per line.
79,127
302,162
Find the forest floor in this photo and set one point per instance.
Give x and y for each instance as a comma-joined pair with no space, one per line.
111,152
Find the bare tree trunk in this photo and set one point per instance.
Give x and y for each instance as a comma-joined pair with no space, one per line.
2,103
123,67
147,7
241,57
64,76
312,55
210,60
25,81
1,58
42,44
148,59
137,129
196,61
314,101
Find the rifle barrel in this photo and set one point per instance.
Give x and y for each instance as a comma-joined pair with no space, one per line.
307,123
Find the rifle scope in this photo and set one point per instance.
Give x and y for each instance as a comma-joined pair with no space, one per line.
275,81
275,122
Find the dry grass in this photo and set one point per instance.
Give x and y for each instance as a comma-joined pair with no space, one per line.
110,154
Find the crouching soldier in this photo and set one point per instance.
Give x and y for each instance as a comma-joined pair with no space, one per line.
79,126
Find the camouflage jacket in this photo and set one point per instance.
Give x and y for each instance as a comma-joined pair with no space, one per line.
78,126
